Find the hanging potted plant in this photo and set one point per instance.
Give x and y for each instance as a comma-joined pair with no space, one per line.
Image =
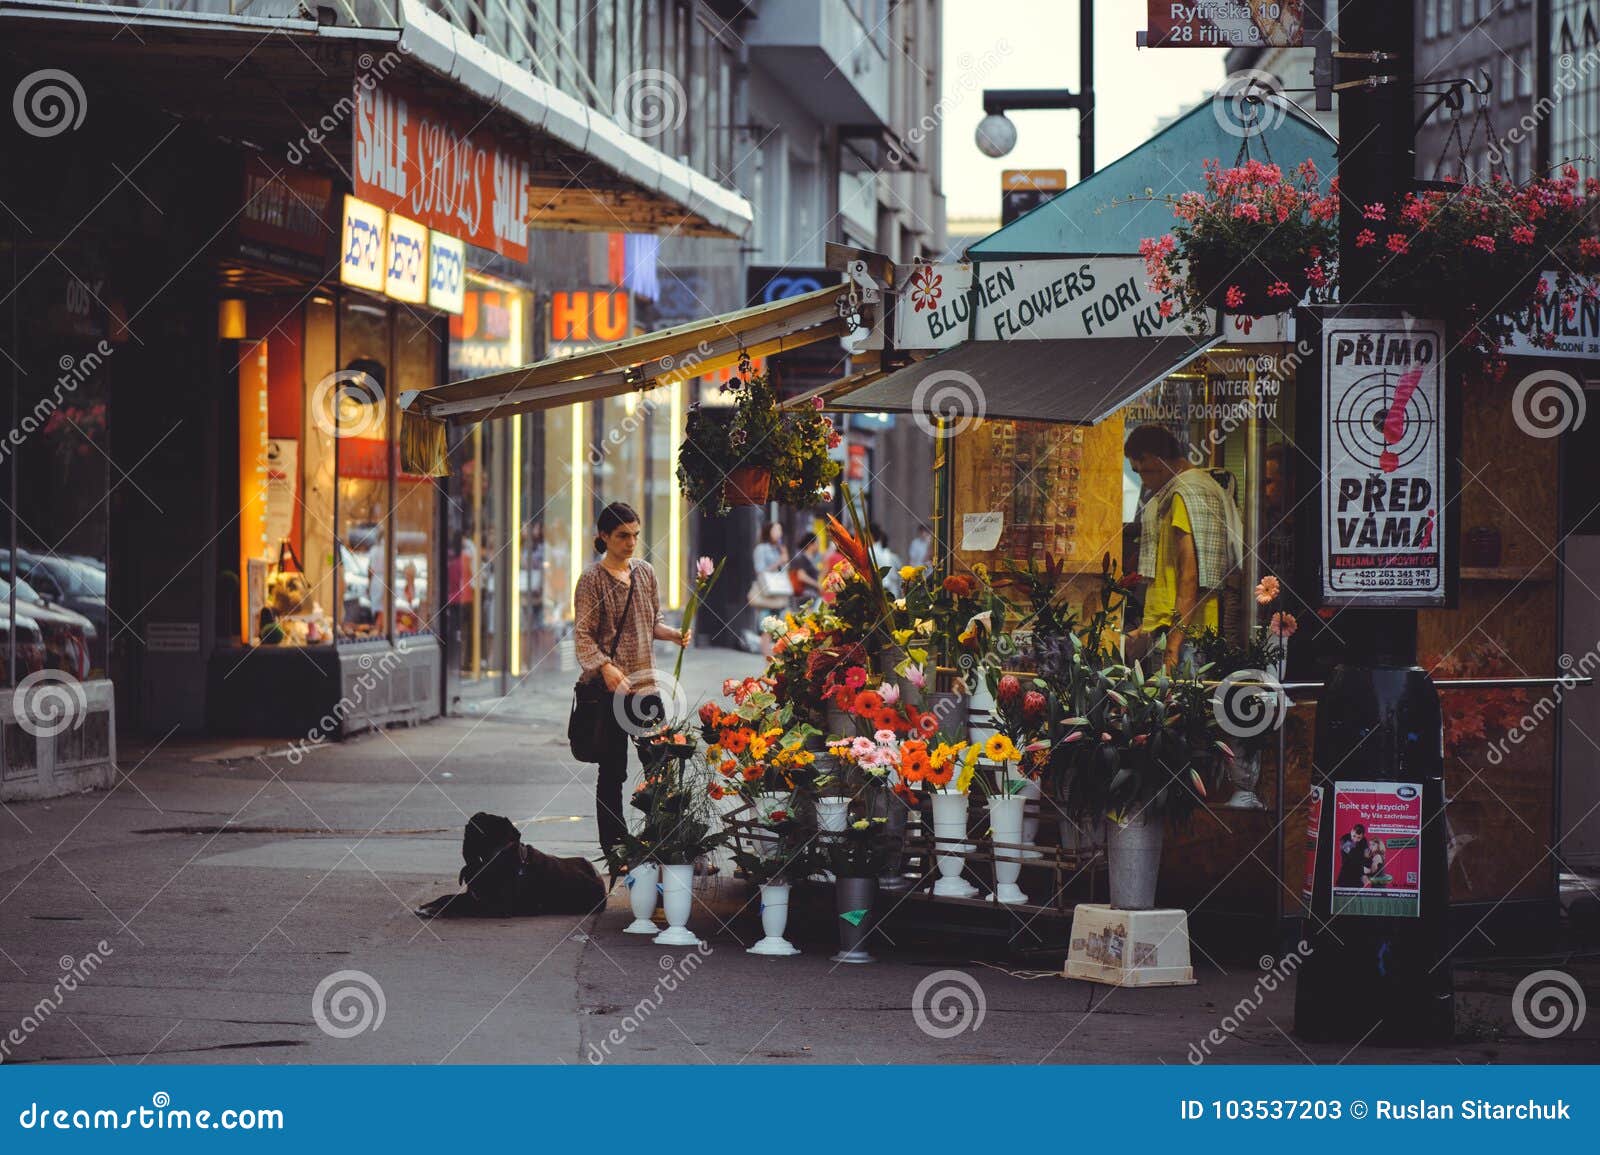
1252,243
754,451
1139,753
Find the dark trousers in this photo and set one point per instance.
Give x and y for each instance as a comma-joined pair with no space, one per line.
643,712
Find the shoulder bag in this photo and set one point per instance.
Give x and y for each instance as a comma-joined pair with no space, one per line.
586,727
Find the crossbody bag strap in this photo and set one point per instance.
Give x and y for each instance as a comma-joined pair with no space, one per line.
616,638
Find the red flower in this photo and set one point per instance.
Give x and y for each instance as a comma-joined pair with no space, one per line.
1398,243
1033,707
868,702
1008,691
1235,297
1366,237
708,713
962,585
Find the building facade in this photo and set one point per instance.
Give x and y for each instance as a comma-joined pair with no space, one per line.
235,253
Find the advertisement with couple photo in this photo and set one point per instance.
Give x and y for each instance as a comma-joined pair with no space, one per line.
1377,848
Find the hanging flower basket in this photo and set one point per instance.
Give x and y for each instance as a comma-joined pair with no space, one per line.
747,485
1253,289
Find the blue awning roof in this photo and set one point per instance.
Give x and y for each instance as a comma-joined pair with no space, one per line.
1084,221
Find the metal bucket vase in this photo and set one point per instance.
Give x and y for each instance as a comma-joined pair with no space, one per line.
840,724
1134,849
853,898
643,891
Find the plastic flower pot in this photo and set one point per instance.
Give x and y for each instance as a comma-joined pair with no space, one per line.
1005,825
642,894
774,918
677,897
950,821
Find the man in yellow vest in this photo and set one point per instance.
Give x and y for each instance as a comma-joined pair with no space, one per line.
1191,539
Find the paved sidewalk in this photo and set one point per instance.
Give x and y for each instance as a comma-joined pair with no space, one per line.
227,882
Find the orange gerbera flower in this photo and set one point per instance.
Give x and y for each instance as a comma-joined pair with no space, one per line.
754,771
940,777
869,702
716,790
729,767
914,761
888,718
737,741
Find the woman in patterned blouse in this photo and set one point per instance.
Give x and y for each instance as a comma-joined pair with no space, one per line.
602,613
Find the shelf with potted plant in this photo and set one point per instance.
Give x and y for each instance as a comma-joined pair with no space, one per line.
754,451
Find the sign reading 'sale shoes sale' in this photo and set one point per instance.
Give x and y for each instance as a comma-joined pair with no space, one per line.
1383,492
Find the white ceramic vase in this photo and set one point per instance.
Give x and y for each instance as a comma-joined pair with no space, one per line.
950,821
643,890
677,897
774,918
1005,825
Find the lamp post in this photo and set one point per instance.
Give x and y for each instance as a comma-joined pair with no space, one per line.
997,135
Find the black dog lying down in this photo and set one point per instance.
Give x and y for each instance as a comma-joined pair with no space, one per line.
505,876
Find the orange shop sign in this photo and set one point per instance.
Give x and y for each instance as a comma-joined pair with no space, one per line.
589,315
439,169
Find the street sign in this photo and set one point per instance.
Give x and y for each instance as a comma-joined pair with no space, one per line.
1024,189
1383,489
1225,23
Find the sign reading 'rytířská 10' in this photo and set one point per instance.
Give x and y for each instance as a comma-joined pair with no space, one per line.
1226,23
1383,454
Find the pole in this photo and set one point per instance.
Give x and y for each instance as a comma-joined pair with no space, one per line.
1379,966
1086,88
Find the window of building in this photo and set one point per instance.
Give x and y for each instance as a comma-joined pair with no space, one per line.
1525,72
1447,17
1430,18
1508,79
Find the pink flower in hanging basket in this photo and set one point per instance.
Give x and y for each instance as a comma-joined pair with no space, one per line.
1376,211
1483,242
1398,243
1235,297
1366,237
1279,289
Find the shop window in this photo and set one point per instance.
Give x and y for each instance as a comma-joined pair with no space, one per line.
363,531
416,587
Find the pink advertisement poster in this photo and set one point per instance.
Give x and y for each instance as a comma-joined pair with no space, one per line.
1377,848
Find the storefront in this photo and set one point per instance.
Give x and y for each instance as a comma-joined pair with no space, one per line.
338,563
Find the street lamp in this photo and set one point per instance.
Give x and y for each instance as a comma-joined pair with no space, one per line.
996,135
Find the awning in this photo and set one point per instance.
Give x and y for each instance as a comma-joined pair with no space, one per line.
640,363
1075,382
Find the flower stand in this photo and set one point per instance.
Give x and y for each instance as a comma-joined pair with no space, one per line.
774,918
950,821
643,891
1005,825
677,897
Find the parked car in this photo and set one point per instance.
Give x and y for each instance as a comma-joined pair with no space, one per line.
69,637
30,653
70,582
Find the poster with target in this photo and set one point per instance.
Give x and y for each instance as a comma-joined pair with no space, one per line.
1383,453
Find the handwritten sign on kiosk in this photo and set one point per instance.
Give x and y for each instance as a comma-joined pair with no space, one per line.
980,532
